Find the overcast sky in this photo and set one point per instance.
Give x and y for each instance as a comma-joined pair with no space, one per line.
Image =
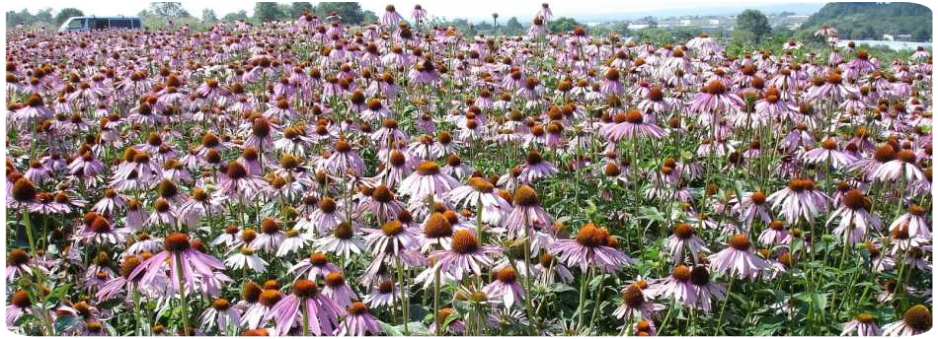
471,9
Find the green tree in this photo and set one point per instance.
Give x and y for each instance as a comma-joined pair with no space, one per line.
369,17
513,27
562,24
621,28
168,10
921,34
755,22
239,15
298,8
351,12
267,11
44,15
66,13
208,16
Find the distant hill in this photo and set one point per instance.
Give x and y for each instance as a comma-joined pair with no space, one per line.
704,9
869,20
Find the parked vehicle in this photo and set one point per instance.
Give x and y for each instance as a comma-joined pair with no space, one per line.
84,24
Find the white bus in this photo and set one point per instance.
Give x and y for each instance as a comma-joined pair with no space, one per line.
84,23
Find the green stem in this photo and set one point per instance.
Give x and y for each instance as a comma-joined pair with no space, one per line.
184,299
405,312
436,302
29,230
582,305
729,290
305,317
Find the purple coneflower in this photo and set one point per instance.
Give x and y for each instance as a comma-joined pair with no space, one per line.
359,322
427,180
738,260
863,325
684,237
316,313
799,199
592,246
916,320
464,255
505,288
188,266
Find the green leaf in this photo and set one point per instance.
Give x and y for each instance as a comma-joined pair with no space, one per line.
57,293
64,323
390,330
110,303
450,319
23,320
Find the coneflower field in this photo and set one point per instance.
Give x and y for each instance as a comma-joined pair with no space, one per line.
400,178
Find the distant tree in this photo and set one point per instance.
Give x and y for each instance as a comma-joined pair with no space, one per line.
369,17
208,16
239,15
622,28
921,34
351,12
298,8
755,22
513,27
267,11
484,26
168,10
495,20
66,13
44,15
562,24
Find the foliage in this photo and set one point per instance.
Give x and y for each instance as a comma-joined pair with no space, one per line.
753,21
209,16
868,20
351,12
298,8
267,11
168,10
66,13
239,15
512,27
25,18
562,24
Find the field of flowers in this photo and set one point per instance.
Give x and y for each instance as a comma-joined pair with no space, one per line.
312,178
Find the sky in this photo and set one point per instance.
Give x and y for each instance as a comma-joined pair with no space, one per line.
472,9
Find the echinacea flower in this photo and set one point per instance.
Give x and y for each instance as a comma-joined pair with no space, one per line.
863,325
684,238
342,241
737,260
527,214
317,266
427,180
800,199
338,290
359,321
592,246
855,218
479,191
465,255
20,304
392,238
677,287
916,320
913,220
505,288
220,316
316,313
18,264
188,267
